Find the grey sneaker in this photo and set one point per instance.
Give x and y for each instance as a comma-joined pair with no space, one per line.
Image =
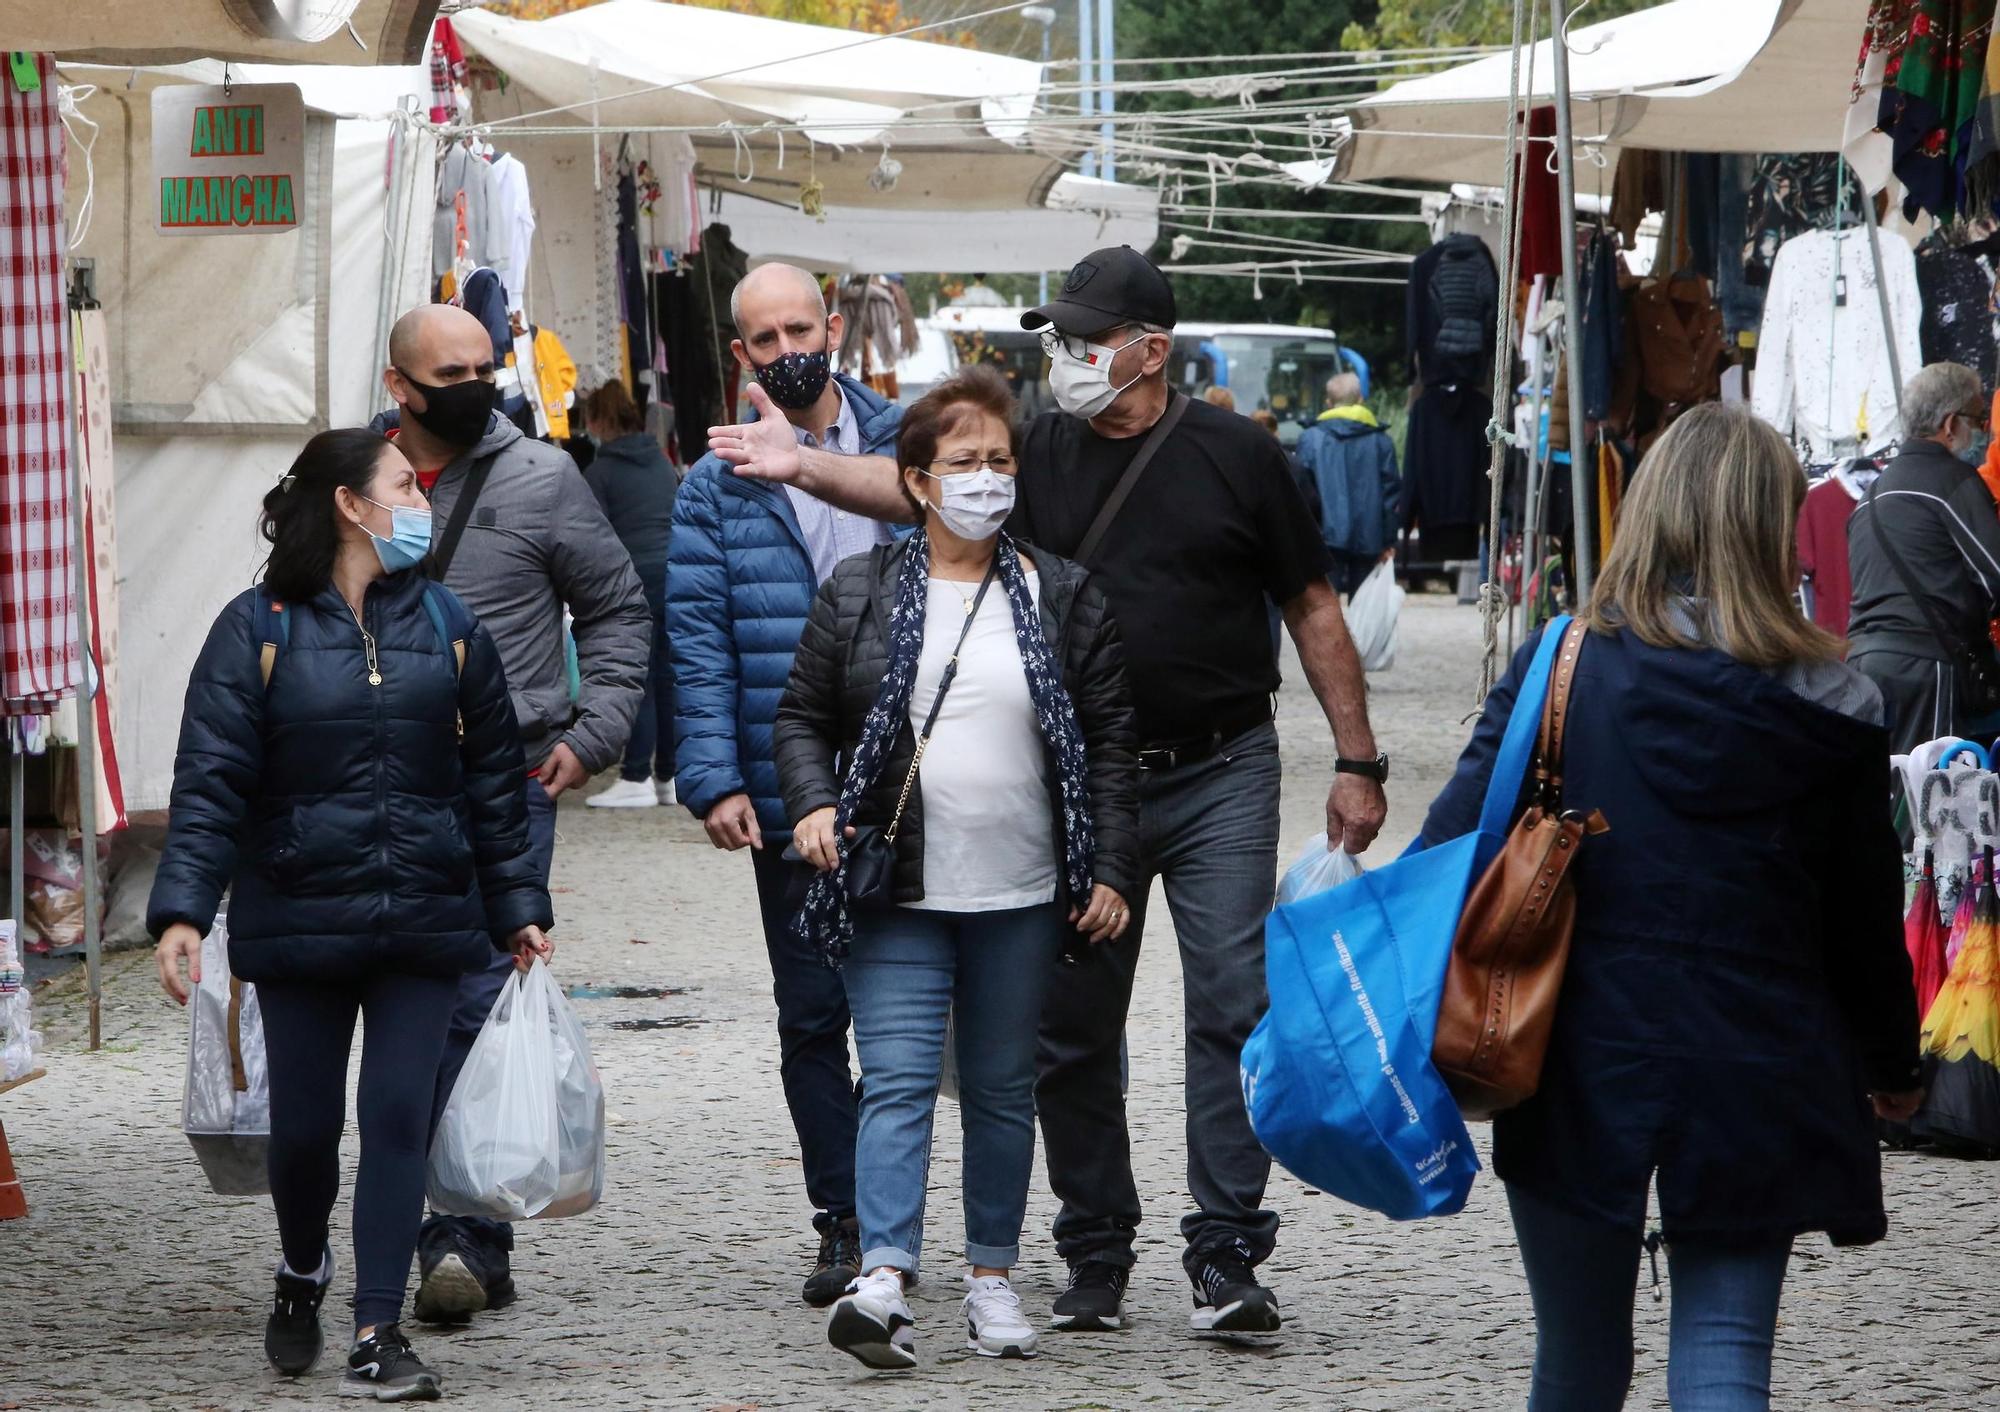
384,1367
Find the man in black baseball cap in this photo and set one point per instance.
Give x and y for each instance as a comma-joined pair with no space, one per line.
1105,289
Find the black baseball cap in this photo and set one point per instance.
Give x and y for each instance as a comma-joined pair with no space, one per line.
1106,288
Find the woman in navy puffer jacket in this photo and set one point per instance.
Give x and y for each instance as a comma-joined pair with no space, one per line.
350,770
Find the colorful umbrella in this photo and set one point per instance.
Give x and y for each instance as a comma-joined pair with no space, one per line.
1923,934
1962,1040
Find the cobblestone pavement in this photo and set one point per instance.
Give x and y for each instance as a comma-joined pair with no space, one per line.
131,1286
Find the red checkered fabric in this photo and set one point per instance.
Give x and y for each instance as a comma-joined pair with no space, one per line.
38,648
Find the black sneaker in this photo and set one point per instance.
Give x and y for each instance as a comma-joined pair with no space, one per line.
382,1366
292,1338
1227,1297
1095,1299
838,1266
453,1283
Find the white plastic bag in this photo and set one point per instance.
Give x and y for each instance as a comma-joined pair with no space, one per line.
523,1133
1371,617
1317,870
226,1107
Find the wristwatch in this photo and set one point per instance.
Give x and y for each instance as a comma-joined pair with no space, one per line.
1376,769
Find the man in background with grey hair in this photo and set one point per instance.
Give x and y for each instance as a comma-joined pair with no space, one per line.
1924,551
1351,465
744,562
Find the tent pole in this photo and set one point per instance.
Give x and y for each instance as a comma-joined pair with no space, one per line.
17,818
1579,465
1086,69
86,710
1882,297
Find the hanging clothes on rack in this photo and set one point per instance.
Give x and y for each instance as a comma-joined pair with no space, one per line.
1957,294
634,307
1930,95
465,202
1822,541
92,341
1452,304
879,329
447,71
1541,200
39,655
514,226
1823,374
1673,356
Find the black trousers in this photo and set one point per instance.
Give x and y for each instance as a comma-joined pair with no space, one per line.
1922,697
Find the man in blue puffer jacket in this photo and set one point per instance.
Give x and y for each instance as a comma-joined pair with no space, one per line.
744,562
1351,464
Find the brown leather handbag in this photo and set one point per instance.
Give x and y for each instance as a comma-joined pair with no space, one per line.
1512,945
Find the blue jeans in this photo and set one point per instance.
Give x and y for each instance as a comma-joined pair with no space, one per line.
910,970
477,990
1582,1275
653,728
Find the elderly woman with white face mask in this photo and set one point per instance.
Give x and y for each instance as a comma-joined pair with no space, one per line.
956,751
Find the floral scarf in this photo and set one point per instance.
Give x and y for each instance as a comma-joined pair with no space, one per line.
824,921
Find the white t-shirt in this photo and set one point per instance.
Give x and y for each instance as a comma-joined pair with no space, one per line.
989,839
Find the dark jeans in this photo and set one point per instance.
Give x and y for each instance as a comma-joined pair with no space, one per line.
1210,831
1582,1275
477,990
813,1020
649,754
1921,696
308,1031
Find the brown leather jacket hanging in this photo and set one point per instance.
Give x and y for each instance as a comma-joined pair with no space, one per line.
1512,946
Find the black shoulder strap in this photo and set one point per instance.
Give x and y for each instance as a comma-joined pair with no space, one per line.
1121,492
461,515
1954,646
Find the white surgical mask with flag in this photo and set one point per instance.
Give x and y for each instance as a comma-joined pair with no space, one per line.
1082,386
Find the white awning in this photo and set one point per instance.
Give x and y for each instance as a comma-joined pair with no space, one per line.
955,119
1687,76
241,31
1082,214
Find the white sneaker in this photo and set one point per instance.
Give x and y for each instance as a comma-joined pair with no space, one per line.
625,794
995,1327
665,790
872,1322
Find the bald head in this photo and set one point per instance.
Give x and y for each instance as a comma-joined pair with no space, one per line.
440,344
774,289
1343,390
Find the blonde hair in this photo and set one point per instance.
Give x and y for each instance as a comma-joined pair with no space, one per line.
1712,514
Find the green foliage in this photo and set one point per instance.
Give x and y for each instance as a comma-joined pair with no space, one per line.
1439,24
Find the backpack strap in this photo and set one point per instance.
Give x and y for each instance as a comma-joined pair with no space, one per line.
441,616
273,630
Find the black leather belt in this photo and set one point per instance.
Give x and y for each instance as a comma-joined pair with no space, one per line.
1173,754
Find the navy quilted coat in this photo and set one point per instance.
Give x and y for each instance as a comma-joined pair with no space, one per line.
351,825
739,587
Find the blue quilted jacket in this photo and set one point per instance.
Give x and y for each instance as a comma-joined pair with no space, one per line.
739,586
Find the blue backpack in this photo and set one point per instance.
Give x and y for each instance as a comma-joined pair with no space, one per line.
272,628
1337,1076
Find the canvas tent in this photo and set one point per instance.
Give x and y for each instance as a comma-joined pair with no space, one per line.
243,31
1687,76
226,352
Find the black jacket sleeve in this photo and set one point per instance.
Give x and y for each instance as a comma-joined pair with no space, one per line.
1103,703
1861,893
806,736
496,776
217,774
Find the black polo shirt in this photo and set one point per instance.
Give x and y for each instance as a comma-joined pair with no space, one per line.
1215,524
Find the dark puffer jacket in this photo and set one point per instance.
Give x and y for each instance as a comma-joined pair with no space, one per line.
838,671
353,827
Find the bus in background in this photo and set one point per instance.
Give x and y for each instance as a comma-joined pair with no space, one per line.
1283,367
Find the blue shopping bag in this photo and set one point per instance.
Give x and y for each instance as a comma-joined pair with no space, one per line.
1337,1076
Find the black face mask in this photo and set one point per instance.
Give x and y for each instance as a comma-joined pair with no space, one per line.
795,380
456,414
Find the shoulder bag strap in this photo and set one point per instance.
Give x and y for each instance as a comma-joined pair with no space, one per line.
1121,492
937,702
1555,716
1510,765
1952,644
461,515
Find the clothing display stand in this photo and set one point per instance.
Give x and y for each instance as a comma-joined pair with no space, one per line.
1581,480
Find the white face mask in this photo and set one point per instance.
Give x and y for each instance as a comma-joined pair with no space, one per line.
1082,386
975,504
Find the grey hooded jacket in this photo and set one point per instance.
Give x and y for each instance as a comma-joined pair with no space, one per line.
538,540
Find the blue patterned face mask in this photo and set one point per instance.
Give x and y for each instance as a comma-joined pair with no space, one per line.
409,537
795,380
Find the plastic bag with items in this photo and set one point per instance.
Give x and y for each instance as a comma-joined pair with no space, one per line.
1371,617
226,1108
523,1133
1317,870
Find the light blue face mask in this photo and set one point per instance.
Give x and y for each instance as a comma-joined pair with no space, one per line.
409,537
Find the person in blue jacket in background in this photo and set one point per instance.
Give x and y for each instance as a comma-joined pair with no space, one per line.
350,770
1737,991
746,557
1350,463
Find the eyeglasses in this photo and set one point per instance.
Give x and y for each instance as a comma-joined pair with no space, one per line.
1055,341
1978,416
966,465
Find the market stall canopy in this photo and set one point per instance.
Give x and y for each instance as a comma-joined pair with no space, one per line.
1082,214
956,120
241,31
1687,76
